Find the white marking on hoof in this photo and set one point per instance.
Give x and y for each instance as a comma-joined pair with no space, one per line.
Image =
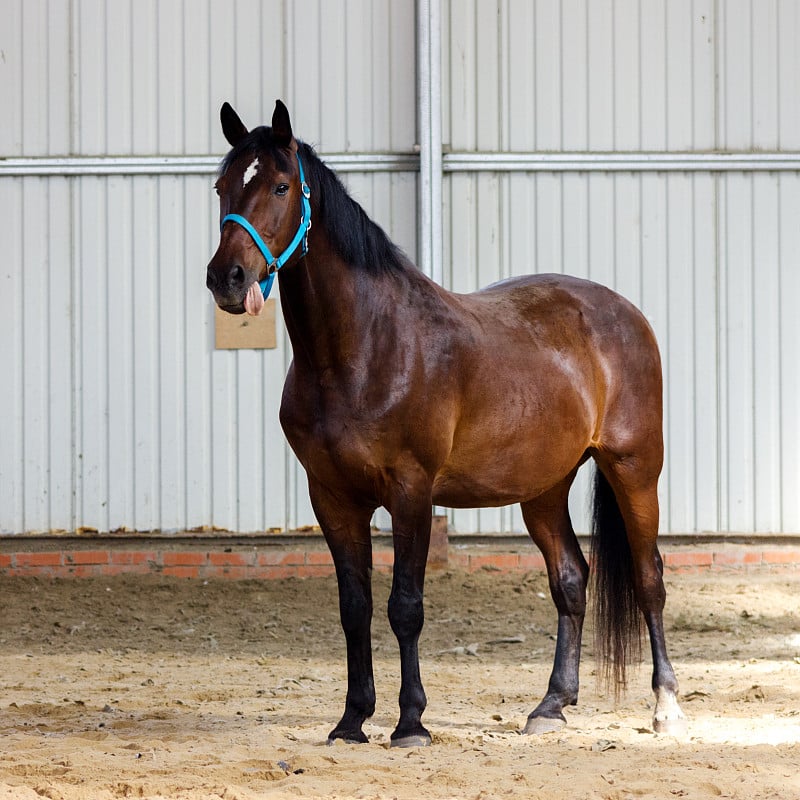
535,726
668,717
412,741
671,727
346,740
250,173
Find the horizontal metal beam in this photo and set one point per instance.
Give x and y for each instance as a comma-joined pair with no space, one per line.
373,162
187,165
409,162
621,162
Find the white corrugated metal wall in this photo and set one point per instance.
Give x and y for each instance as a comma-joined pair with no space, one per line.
579,136
578,92
119,414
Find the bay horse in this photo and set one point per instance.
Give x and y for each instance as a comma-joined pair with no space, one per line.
404,395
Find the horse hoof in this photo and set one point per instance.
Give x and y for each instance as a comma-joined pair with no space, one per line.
347,738
415,740
671,727
668,717
535,726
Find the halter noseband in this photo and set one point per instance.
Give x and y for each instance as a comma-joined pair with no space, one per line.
300,237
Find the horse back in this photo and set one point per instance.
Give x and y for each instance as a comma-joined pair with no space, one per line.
583,322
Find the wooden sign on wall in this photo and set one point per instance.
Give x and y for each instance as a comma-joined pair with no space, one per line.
243,332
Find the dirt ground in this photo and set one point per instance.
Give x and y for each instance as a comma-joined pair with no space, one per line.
154,687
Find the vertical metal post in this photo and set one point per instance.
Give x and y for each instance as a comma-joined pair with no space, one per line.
429,96
429,105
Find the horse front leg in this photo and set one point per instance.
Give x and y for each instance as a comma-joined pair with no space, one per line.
347,532
411,526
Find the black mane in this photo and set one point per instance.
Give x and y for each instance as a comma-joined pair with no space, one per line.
354,236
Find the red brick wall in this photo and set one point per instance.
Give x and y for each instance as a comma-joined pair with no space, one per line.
308,559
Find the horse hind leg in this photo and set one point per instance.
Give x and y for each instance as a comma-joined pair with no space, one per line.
548,522
626,491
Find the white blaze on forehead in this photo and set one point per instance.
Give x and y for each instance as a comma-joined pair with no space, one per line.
250,172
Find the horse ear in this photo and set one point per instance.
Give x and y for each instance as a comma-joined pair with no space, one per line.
281,125
232,126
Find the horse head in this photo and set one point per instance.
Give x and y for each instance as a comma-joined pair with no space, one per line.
262,195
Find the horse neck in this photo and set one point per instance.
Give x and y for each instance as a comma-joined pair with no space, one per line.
332,308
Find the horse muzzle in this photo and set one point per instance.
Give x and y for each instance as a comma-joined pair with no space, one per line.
229,285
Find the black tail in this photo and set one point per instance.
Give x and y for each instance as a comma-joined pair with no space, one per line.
617,619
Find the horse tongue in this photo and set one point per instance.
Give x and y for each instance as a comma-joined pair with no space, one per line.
254,300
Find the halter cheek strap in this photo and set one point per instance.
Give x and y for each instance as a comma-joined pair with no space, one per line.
300,237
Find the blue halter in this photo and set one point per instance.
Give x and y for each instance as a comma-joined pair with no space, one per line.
274,264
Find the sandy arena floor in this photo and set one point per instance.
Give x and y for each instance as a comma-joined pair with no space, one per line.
155,687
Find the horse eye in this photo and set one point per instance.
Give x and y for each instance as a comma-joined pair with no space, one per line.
281,189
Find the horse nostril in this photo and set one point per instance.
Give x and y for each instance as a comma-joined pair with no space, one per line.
211,280
236,275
